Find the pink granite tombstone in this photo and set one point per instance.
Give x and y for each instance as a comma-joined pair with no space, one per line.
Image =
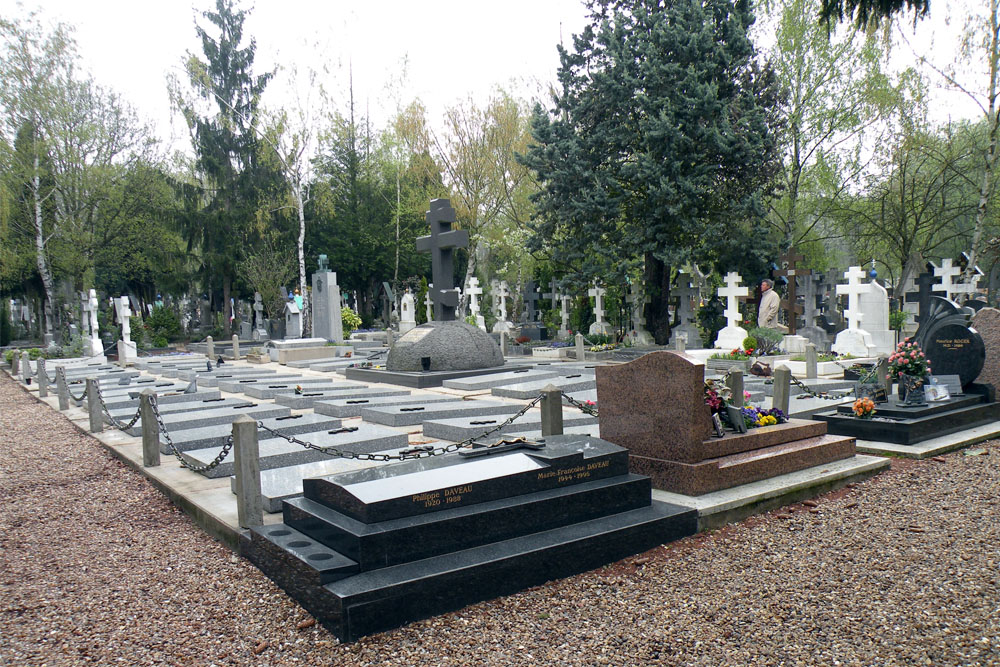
987,322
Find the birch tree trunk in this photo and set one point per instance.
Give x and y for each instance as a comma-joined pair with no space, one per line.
43,265
306,319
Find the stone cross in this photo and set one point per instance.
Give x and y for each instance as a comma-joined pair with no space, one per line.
638,299
95,347
730,292
502,293
811,309
530,298
258,311
970,286
564,302
124,313
788,269
474,290
84,314
946,272
553,294
429,303
600,325
441,244
922,297
853,290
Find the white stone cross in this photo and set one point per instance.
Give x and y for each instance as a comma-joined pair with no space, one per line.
124,313
429,303
600,325
853,289
968,287
84,314
731,291
564,301
946,272
502,293
474,290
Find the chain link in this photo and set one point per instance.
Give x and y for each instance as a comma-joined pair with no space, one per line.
83,395
814,394
586,409
214,463
117,423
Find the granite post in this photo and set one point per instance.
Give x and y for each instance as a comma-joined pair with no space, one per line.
503,343
25,369
236,347
210,352
246,455
150,430
551,404
15,364
782,385
812,363
388,337
62,390
882,374
579,347
43,378
94,406
735,383
679,343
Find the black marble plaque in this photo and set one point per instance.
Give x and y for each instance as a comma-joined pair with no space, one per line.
956,349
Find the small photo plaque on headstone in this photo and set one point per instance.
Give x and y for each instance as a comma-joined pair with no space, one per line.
736,418
873,390
717,424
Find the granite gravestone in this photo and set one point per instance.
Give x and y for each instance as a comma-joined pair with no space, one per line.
987,322
732,335
600,326
951,345
407,312
854,340
293,320
655,407
327,321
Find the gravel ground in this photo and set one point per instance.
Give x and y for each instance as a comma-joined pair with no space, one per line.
96,567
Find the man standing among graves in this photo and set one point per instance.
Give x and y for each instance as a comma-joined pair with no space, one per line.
767,312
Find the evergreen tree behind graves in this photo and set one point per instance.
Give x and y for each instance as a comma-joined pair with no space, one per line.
660,148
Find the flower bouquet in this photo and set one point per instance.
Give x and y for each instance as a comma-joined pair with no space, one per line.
864,408
908,359
755,417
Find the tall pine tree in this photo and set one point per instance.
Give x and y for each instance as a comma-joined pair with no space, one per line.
660,148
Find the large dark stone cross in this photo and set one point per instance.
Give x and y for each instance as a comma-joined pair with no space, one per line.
788,262
530,297
925,283
441,244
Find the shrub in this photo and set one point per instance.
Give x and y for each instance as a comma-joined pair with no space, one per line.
749,343
768,340
350,320
163,324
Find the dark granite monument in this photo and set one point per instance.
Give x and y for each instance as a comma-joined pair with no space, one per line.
373,549
950,343
441,243
655,407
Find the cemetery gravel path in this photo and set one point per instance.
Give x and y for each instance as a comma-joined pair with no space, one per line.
96,567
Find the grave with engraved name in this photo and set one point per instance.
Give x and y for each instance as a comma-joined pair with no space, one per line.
954,349
372,549
655,407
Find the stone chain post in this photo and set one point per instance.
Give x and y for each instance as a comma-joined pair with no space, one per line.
246,456
210,352
782,388
580,352
812,364
43,378
735,383
150,430
94,406
552,417
236,347
62,389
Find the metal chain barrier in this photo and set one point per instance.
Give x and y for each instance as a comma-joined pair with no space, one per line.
220,457
582,407
83,395
814,394
111,419
412,453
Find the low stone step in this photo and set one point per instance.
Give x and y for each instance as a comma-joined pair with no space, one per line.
213,379
409,415
311,395
236,385
276,452
270,390
461,428
215,436
120,402
213,416
224,372
126,412
352,407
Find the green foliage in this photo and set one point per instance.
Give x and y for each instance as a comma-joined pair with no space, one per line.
350,320
163,325
897,319
869,13
711,320
735,355
654,154
749,343
768,340
5,323
8,356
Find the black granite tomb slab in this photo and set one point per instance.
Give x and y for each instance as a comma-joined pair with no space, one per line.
431,484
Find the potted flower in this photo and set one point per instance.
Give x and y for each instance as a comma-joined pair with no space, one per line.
864,408
908,367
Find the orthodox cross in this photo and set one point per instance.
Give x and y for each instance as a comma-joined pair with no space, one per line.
530,298
925,290
474,290
429,302
789,304
441,244
553,294
853,289
598,294
946,273
730,292
502,293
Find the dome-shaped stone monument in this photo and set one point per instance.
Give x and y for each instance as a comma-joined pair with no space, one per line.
444,346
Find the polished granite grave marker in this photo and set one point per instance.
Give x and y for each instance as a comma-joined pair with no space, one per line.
951,345
372,549
655,407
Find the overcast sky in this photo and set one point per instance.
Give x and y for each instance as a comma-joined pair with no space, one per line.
453,48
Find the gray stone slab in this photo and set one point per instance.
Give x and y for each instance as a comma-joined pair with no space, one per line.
114,391
278,484
235,385
175,371
106,375
200,372
519,376
126,411
410,415
458,429
164,399
279,453
268,391
529,390
215,436
590,429
212,416
352,407
217,380
310,396
333,366
310,363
